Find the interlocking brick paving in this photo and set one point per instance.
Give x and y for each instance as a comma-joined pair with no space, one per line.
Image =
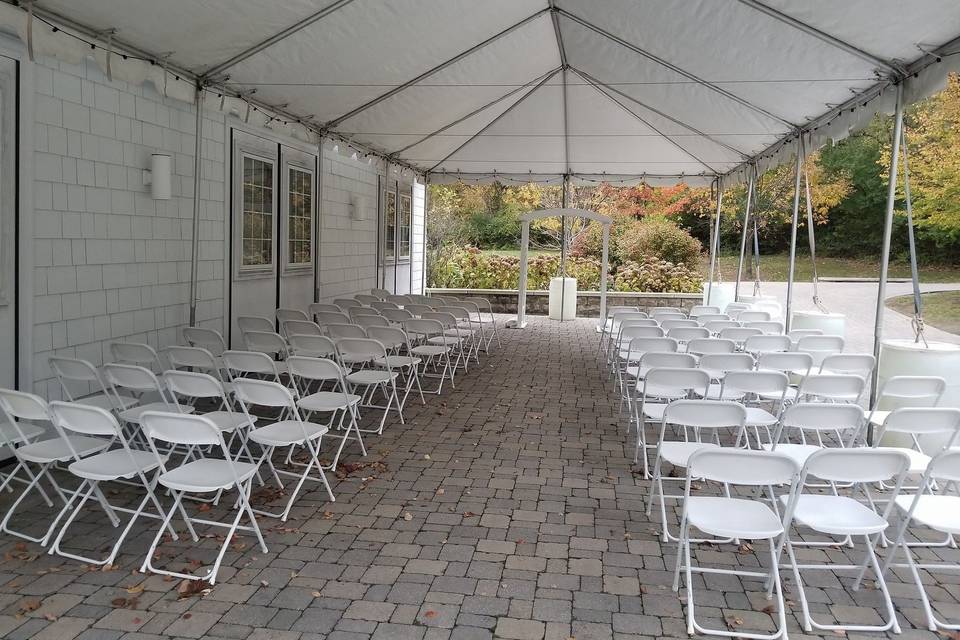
508,507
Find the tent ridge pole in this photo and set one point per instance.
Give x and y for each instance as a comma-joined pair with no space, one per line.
278,37
795,220
495,120
675,68
429,72
555,18
887,234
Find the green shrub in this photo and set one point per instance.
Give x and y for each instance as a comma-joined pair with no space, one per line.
657,276
658,238
542,268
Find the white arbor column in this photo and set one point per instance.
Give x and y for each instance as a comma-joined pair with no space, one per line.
604,265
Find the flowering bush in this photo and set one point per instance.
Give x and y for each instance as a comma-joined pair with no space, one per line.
657,238
471,268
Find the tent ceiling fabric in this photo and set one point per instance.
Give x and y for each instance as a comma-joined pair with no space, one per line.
659,89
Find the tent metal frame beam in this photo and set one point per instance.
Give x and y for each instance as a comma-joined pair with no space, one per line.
475,112
495,120
588,176
643,121
583,74
274,39
555,18
890,67
330,124
669,65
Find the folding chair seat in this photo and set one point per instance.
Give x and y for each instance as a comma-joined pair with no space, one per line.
346,303
73,372
811,421
300,327
136,353
73,420
286,315
394,341
906,391
935,507
201,475
18,407
291,430
336,401
845,517
700,423
322,307
255,323
140,380
375,374
734,518
421,331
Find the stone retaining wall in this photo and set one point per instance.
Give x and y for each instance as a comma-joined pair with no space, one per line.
588,302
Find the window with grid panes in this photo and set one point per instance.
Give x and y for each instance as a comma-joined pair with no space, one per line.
257,236
299,217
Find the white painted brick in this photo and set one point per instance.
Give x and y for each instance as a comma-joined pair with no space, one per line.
103,123
76,117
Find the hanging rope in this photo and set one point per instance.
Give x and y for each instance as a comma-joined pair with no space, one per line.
30,31
812,239
917,321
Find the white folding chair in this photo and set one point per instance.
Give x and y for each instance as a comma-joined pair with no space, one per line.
337,401
396,316
739,335
766,343
346,303
752,315
381,305
74,372
769,328
325,318
451,337
796,365
209,339
139,380
372,321
762,393
917,426
338,332
656,312
285,315
935,507
683,335
380,293
366,298
198,359
322,307
620,354
135,353
708,318
312,346
733,309
202,475
422,331
270,343
715,327
858,364
845,517
811,422
373,374
18,407
395,341
700,309
255,323
703,346
699,423
819,347
905,391
832,387
300,327
72,421
718,365
797,334
290,430
486,317
253,364
418,309
675,323
729,518
357,312
612,325
463,328
670,376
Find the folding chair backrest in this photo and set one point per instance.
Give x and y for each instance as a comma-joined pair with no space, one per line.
209,339
923,421
368,322
683,334
361,349
658,311
743,467
346,303
255,323
340,331
639,322
761,383
357,312
770,328
381,305
705,414
625,316
667,358
917,391
858,464
677,323
796,334
639,346
20,405
195,357
417,310
621,309
629,333
822,345
739,334
446,319
84,419
766,344
399,300
700,309
725,362
323,307
133,377
833,386
676,378
74,369
752,315
245,362
945,466
311,345
264,393
391,337
283,315
820,416
735,308
460,313
860,364
265,342
366,298
330,317
193,384
134,353
704,318
423,327
716,326
790,361
301,327
314,368
396,315
379,293
702,346
180,428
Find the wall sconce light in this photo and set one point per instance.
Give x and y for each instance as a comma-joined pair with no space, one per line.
158,176
358,207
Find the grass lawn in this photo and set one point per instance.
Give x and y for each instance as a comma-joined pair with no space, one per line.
774,268
941,309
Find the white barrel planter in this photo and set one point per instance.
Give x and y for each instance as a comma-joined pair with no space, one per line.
832,324
562,302
908,358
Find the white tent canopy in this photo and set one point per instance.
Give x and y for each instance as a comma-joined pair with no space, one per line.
617,90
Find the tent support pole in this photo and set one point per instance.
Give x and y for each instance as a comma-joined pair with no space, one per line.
195,239
743,239
794,223
604,266
715,243
522,294
887,234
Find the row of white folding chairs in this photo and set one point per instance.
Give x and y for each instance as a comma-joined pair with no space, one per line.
761,515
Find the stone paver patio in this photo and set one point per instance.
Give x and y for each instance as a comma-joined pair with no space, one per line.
506,508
